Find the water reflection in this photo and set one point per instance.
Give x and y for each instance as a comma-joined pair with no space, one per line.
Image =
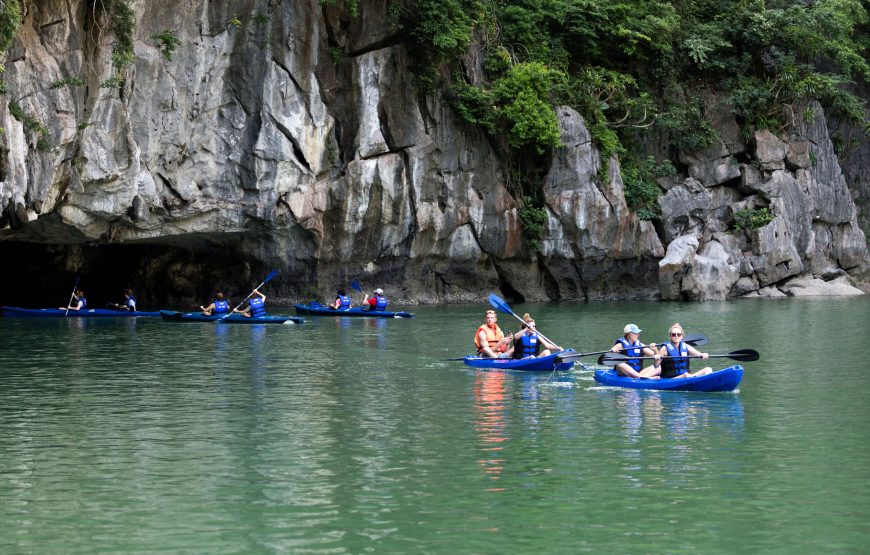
490,392
377,340
675,414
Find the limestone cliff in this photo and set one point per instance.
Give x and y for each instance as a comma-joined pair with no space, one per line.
288,134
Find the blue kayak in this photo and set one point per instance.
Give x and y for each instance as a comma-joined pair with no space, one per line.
532,364
234,318
60,313
726,379
316,309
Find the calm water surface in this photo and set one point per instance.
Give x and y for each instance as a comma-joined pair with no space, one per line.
354,436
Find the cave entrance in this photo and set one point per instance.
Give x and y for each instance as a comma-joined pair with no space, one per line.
161,276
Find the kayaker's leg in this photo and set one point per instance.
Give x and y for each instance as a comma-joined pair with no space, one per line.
703,372
544,353
650,372
626,370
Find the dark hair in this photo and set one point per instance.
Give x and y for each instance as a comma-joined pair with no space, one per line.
128,291
342,292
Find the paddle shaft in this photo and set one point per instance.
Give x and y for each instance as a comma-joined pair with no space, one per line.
616,358
693,339
501,305
272,274
73,294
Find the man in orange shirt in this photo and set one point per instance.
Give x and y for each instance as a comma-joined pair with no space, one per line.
489,339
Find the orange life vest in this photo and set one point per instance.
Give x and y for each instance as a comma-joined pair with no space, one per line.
492,337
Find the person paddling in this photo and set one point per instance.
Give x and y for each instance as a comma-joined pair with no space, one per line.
219,305
341,302
528,343
630,344
378,302
256,306
78,301
489,339
677,366
129,303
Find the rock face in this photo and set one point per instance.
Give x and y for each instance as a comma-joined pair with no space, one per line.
292,138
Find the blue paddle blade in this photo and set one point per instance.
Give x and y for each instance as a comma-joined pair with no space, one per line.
498,302
271,275
355,285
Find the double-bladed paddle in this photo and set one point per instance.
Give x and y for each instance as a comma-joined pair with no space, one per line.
71,296
693,339
269,278
744,355
498,302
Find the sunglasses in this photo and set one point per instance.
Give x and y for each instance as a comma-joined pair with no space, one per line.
676,334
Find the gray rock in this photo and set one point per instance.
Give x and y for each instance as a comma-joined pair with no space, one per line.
809,286
674,266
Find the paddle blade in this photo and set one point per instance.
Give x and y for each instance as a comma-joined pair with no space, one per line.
498,303
745,355
611,359
695,339
355,285
271,275
567,357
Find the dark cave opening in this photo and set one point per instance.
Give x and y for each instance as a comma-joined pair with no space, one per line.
161,276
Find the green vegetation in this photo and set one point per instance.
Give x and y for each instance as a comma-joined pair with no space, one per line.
10,20
167,42
641,190
533,218
631,67
752,218
234,22
352,6
31,125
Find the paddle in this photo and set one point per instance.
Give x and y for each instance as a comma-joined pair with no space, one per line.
499,303
744,355
271,275
693,339
71,297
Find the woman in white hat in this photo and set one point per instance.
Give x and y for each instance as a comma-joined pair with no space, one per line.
630,344
378,302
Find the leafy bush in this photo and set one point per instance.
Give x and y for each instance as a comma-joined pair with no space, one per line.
533,218
523,100
10,20
752,218
167,42
641,190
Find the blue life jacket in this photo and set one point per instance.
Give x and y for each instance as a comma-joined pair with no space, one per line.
130,303
258,307
632,350
381,303
84,302
344,301
673,367
221,306
528,346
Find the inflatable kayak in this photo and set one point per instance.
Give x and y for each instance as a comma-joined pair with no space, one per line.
173,316
60,313
726,379
316,309
536,364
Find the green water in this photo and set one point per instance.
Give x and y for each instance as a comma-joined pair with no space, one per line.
352,436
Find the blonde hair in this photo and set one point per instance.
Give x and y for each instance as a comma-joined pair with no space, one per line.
676,326
527,318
